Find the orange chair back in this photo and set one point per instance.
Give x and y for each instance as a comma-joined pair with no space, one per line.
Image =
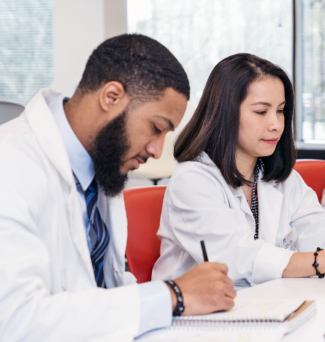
313,173
143,210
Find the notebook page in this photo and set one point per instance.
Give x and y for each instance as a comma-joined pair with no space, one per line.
191,335
252,310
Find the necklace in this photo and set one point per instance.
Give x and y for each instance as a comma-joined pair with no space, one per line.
254,208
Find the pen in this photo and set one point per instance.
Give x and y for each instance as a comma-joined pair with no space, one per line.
204,251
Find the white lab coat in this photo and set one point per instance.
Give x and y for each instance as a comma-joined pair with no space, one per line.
200,205
47,286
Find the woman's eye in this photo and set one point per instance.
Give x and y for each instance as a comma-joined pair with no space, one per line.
261,112
281,111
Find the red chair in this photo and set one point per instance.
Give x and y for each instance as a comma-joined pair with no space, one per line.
313,173
143,210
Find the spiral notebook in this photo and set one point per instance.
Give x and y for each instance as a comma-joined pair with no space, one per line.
288,314
249,320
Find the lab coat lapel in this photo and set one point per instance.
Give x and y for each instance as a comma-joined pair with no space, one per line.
49,137
112,211
238,192
269,207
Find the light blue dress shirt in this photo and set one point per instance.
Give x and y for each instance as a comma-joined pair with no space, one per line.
156,307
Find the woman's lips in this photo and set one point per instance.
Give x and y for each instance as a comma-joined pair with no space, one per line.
271,141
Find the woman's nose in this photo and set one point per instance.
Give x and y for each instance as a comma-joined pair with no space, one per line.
276,122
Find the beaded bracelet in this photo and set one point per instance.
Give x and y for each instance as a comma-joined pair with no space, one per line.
180,303
316,264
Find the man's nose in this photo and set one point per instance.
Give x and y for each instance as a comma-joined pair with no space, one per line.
155,147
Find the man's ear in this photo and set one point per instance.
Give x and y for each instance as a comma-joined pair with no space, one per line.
113,95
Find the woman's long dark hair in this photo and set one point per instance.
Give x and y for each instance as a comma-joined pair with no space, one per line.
215,123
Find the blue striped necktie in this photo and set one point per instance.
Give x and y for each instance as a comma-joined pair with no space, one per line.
102,234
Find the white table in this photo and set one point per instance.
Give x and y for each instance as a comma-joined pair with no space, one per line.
308,288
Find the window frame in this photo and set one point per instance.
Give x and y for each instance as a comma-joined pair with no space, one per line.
297,81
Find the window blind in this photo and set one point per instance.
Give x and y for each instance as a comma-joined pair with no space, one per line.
26,48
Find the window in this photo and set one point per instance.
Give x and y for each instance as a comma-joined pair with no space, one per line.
311,71
26,48
201,33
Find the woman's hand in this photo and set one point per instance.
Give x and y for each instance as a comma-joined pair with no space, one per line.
300,265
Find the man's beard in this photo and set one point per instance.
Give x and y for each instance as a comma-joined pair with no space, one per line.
110,147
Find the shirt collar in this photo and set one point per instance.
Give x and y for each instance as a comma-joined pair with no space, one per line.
237,192
80,160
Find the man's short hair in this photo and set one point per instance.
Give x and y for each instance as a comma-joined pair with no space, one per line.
142,65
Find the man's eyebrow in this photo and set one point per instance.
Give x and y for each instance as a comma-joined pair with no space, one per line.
266,103
170,123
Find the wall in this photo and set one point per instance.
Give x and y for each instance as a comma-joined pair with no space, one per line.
79,26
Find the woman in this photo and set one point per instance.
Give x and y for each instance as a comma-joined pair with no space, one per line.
234,186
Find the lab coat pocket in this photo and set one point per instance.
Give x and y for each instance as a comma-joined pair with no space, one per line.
288,240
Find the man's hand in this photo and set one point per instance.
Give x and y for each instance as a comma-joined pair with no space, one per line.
206,288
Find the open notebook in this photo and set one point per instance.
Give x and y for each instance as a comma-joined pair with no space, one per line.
288,314
249,320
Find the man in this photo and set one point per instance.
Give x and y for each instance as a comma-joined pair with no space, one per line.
63,226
